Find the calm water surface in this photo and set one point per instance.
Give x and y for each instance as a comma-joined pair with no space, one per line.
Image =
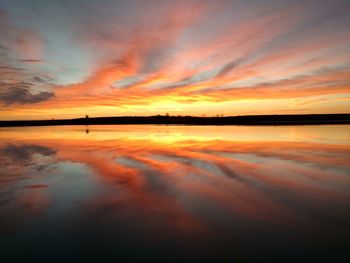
174,193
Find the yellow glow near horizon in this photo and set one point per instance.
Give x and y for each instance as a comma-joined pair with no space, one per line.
200,108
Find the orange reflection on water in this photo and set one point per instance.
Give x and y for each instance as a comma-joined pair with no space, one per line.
180,180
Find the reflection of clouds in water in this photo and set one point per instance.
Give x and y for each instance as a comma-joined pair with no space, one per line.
44,197
242,177
21,160
191,188
24,153
19,164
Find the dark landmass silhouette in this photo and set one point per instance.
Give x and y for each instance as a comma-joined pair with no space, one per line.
305,119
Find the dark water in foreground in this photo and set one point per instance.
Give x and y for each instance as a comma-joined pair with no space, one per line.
175,193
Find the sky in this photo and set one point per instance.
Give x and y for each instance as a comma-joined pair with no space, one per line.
66,59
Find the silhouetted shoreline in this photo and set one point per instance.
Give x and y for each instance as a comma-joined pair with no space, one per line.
308,119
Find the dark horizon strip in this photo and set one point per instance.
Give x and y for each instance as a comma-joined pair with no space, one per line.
290,119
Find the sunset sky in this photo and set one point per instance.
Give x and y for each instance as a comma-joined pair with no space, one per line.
64,59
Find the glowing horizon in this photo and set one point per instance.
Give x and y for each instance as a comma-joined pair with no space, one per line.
112,58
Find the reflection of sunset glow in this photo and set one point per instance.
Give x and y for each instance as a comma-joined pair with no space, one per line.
165,179
182,133
135,156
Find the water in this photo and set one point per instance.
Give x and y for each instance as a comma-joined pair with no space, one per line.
174,193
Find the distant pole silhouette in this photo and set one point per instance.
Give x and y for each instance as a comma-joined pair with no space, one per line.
87,123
